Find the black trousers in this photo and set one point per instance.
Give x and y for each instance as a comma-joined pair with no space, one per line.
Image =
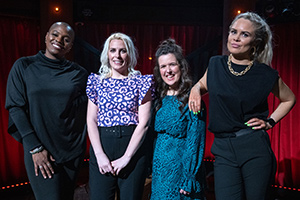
244,166
62,184
130,181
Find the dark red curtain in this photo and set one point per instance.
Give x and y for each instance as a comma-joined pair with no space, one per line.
285,136
18,37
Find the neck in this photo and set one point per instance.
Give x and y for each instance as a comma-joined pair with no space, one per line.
240,60
119,75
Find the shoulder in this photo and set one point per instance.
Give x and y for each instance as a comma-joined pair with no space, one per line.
265,70
23,63
218,58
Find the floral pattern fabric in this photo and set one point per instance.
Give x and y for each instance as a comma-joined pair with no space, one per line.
118,99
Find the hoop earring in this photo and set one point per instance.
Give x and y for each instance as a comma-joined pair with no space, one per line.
254,51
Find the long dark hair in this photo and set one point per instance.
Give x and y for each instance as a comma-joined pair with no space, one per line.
185,82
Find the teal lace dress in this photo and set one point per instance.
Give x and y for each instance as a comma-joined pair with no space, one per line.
178,153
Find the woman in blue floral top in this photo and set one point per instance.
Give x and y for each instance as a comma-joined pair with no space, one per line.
118,112
178,171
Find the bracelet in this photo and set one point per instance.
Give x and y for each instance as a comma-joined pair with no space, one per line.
37,150
271,122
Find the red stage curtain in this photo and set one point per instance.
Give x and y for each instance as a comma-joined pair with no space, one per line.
285,136
18,37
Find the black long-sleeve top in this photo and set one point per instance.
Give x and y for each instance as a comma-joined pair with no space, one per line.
233,100
47,105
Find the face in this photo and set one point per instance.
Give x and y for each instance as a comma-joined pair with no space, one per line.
240,38
58,41
169,70
118,57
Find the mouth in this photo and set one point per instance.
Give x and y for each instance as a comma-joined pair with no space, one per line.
234,45
57,46
118,62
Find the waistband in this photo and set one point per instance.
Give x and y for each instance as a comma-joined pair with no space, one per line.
116,131
235,134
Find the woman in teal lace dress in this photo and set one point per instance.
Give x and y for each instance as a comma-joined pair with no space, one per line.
178,171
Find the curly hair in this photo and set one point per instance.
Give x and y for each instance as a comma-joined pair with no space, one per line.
169,46
263,51
105,68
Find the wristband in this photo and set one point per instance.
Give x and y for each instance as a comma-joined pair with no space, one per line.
271,122
37,150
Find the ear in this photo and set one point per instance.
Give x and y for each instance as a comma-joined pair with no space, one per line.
46,37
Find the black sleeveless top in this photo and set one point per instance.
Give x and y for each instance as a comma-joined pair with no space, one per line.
233,100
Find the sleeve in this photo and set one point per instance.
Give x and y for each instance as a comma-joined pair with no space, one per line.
91,86
193,154
16,103
146,82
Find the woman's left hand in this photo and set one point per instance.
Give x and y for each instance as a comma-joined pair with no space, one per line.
119,164
256,123
184,192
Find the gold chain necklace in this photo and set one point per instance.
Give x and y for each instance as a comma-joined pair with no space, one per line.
238,73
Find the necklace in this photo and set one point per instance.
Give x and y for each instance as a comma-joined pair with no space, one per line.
238,73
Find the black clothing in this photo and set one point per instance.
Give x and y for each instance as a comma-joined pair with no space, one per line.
47,105
244,166
131,179
233,100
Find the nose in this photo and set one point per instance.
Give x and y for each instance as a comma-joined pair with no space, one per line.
59,39
236,37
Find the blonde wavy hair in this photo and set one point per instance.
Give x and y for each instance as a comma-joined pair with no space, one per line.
263,51
105,69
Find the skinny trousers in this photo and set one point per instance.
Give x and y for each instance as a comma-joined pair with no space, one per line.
244,166
62,184
129,184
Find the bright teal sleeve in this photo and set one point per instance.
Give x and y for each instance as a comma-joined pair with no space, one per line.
193,154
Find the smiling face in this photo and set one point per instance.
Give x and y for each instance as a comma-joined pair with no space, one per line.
240,38
169,70
118,58
59,41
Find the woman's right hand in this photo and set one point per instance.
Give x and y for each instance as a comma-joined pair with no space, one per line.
104,164
41,162
195,99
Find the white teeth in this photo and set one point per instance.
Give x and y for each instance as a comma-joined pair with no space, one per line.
56,46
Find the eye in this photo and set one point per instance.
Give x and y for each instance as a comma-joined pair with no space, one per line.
123,51
173,64
112,50
55,34
162,66
245,35
67,40
232,32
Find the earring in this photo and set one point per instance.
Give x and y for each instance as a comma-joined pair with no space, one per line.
254,51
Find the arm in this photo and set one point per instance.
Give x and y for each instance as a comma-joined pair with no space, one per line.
200,88
193,154
287,101
137,136
92,128
16,103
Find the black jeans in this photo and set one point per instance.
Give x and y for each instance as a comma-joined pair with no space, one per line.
130,181
244,166
62,184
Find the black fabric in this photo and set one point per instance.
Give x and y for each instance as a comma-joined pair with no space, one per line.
233,100
130,181
244,166
47,105
62,184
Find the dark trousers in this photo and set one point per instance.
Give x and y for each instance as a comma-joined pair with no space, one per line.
244,166
130,181
62,184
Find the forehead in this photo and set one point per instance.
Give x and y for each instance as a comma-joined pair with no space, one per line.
116,42
243,24
61,29
170,57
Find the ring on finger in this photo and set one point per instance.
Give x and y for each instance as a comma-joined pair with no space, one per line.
48,164
40,166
